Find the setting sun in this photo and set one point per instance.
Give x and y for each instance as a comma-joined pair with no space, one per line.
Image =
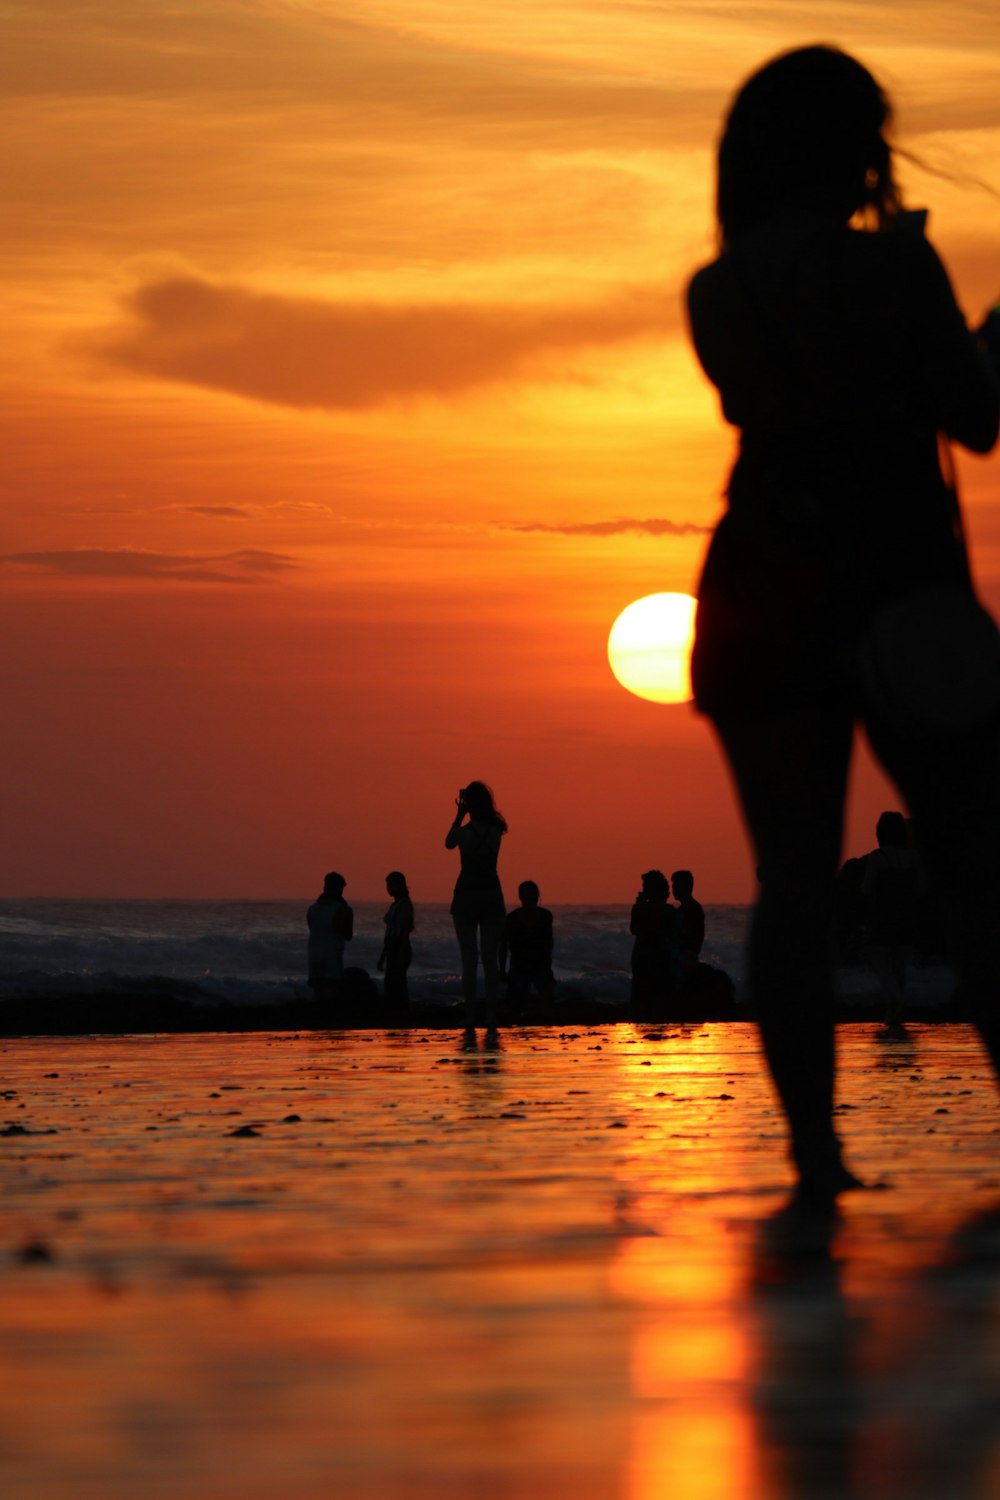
649,647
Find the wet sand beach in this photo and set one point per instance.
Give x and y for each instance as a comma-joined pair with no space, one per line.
366,1265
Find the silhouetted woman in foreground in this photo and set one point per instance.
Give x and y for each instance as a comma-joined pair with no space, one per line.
477,908
829,326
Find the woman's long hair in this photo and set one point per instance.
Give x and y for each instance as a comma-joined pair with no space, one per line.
481,806
806,132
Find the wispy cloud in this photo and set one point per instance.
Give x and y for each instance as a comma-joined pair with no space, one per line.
237,512
123,563
310,353
356,67
651,526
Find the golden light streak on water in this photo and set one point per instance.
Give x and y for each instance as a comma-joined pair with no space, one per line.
703,1451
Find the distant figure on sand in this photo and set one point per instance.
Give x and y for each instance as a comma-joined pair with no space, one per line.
849,912
396,953
477,908
527,942
653,924
331,925
690,923
829,326
892,888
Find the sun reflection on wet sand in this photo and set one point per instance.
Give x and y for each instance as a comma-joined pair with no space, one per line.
368,1266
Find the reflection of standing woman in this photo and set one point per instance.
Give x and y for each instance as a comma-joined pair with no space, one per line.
829,326
477,908
396,953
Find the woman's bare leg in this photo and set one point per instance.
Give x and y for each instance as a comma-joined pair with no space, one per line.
489,939
465,931
791,774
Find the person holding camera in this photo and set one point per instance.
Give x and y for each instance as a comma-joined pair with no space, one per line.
477,908
829,327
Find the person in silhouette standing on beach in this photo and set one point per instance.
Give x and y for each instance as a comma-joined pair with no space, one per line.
331,926
394,960
849,912
831,331
477,907
527,942
690,923
653,925
891,890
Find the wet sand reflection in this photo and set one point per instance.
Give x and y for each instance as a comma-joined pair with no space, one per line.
361,1265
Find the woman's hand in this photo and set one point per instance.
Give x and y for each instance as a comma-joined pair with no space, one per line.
987,337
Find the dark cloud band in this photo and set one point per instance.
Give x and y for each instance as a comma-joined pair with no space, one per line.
318,354
114,563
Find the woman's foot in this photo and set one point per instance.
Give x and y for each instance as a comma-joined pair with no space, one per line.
822,1175
469,1043
493,1039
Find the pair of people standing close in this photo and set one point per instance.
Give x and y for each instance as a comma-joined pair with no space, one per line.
829,326
331,926
668,939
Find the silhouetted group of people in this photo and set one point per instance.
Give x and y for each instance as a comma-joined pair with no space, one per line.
516,946
513,947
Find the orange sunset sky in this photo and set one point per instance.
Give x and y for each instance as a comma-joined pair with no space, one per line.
347,401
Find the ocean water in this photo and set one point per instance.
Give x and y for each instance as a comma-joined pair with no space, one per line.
250,952
254,952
